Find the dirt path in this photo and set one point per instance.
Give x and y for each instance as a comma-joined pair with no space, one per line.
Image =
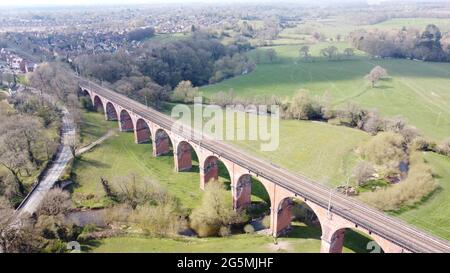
87,148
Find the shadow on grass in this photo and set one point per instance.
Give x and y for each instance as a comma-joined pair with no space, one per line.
356,242
90,245
302,231
91,162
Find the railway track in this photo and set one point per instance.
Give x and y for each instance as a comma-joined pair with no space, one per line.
390,228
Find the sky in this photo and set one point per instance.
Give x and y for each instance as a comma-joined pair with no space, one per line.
15,3
21,3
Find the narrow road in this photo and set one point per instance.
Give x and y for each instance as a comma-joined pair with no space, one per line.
31,203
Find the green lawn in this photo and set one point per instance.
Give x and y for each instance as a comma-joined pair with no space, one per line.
434,214
94,126
120,156
343,25
416,90
104,161
302,239
320,151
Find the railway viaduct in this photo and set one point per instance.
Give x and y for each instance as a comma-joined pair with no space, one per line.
391,234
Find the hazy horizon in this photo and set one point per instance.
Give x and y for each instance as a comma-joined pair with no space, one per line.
31,3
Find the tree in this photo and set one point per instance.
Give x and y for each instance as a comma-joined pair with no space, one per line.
363,172
376,74
329,52
14,237
55,203
271,54
214,212
385,149
300,107
185,92
304,51
349,52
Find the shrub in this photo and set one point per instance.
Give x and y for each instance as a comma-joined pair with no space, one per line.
86,103
301,106
249,228
214,212
136,191
422,144
385,149
363,172
224,231
56,202
161,220
412,190
266,221
444,147
185,92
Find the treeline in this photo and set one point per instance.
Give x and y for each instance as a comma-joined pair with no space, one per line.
429,45
28,139
150,73
140,34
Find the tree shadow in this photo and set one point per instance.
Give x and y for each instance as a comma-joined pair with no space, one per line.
89,245
356,241
93,163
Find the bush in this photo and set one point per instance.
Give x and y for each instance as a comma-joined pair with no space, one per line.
300,107
135,191
56,202
224,231
444,147
413,189
214,212
386,149
249,228
266,221
363,172
185,92
422,144
161,220
86,103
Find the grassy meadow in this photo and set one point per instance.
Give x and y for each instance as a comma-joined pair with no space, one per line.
104,161
302,239
417,91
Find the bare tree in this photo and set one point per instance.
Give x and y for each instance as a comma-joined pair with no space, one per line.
329,52
349,52
304,52
271,54
376,74
56,202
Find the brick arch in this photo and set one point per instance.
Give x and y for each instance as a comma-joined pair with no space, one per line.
210,169
84,92
111,112
162,143
243,191
336,239
284,215
97,103
143,131
183,158
126,123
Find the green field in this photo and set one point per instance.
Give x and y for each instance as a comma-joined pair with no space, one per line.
302,239
433,215
418,91
104,161
342,25
120,156
93,127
